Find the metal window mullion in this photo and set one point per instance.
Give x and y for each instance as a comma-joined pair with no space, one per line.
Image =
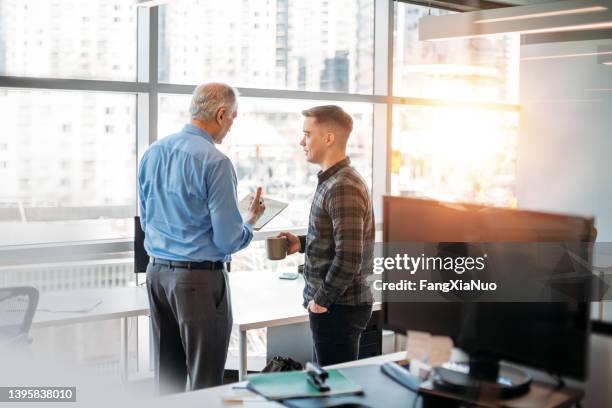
154,88
381,124
280,94
71,84
381,98
389,134
153,72
143,76
142,68
142,103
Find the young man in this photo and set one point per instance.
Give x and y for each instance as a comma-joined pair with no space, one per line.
339,244
189,212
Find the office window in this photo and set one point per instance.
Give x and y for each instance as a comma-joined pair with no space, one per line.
60,185
68,38
264,147
479,69
290,44
455,154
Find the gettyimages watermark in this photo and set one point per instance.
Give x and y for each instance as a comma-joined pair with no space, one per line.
491,272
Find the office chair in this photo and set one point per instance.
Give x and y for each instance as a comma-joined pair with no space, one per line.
17,307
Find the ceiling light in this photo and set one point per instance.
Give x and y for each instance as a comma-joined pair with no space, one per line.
545,57
546,14
566,15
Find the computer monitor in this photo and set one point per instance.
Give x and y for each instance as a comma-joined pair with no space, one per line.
141,258
549,336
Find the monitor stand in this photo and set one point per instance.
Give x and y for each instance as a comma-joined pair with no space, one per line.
482,377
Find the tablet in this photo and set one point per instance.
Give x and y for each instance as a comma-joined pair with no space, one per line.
273,208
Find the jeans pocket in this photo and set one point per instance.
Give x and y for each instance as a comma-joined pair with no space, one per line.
360,319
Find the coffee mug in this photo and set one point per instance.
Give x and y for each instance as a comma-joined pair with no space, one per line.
276,248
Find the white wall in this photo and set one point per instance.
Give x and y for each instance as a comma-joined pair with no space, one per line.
565,156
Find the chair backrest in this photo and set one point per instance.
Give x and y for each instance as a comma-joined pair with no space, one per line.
17,307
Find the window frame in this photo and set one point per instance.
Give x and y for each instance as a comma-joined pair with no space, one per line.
147,88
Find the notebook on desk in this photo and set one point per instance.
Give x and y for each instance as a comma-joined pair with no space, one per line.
294,384
379,391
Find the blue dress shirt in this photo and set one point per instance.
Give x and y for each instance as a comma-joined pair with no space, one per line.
188,204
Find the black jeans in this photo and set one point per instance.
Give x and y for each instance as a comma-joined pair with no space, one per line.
336,334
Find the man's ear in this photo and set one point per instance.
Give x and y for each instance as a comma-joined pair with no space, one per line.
330,138
221,112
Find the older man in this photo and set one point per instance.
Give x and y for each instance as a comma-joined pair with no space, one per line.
192,225
339,244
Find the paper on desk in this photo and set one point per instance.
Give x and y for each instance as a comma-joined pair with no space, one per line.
242,397
434,350
69,304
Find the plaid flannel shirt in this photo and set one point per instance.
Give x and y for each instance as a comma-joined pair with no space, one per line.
340,241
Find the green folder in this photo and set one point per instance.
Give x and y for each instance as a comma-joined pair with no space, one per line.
294,384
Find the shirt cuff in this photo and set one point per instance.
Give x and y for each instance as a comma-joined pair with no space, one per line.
302,243
323,298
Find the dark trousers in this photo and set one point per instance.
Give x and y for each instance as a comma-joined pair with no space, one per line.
191,320
336,334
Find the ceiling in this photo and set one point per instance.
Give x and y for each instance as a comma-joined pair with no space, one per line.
472,5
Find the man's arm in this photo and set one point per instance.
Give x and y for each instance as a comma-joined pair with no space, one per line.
230,233
346,208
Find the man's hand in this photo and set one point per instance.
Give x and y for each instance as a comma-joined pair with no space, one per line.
256,208
314,308
293,242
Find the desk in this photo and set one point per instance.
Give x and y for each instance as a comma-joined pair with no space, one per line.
211,397
540,395
259,300
116,303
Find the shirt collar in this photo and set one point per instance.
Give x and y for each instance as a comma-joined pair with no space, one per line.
194,130
324,175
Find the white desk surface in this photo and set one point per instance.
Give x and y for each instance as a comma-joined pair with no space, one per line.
212,397
259,299
115,303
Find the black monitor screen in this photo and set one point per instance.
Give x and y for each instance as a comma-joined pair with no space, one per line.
549,336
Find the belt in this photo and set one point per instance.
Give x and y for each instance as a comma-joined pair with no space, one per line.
211,265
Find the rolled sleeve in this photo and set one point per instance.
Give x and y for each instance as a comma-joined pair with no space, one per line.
346,208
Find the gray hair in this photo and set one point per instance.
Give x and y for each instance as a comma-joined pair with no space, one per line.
208,98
